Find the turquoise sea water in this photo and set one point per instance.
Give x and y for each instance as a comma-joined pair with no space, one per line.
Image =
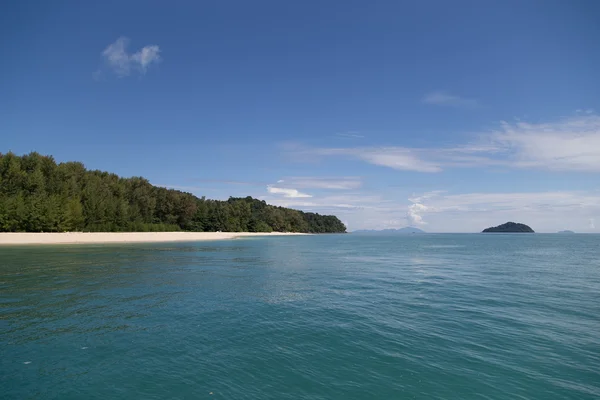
316,317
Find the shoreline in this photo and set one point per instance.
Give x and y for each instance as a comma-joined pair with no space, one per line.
35,238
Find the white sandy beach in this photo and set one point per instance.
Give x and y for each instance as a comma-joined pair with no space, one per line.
124,237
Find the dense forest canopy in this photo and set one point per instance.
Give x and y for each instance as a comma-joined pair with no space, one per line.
39,195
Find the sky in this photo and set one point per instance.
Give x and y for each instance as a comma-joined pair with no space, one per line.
447,116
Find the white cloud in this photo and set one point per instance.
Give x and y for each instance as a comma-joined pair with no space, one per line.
330,183
425,196
571,144
587,111
592,223
231,182
398,158
286,192
331,202
123,63
445,99
146,56
392,157
350,135
544,211
414,216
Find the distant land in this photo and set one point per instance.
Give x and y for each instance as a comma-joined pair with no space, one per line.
403,231
567,231
509,227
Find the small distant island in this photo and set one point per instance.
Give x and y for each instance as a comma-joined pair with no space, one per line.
566,231
509,227
402,231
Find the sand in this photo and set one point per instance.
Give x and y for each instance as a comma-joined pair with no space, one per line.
123,237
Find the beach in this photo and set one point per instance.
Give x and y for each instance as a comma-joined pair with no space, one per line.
124,237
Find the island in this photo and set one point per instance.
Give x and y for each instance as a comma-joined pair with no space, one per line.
37,194
565,231
402,231
509,227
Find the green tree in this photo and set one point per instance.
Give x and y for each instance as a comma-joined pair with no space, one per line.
73,215
37,194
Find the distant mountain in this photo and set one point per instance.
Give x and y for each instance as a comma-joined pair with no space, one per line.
567,231
401,231
509,227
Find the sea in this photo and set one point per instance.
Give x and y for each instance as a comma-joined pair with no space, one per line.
432,316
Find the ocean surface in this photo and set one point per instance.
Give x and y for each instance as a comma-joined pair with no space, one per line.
315,317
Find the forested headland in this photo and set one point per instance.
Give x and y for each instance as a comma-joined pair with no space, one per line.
39,195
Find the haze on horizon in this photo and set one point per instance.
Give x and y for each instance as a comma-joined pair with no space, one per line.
450,117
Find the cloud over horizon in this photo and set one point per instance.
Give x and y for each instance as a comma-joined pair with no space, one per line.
287,192
440,211
575,208
568,144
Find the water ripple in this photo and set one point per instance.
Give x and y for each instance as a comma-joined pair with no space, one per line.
331,317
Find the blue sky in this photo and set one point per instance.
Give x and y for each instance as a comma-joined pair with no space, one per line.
449,116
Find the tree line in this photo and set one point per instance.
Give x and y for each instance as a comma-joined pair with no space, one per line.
39,195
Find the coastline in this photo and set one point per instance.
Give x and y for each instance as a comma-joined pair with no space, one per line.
33,238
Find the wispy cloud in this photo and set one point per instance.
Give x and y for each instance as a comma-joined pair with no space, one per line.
586,111
330,183
572,144
122,63
569,144
398,158
231,182
350,135
351,204
286,192
445,99
392,157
